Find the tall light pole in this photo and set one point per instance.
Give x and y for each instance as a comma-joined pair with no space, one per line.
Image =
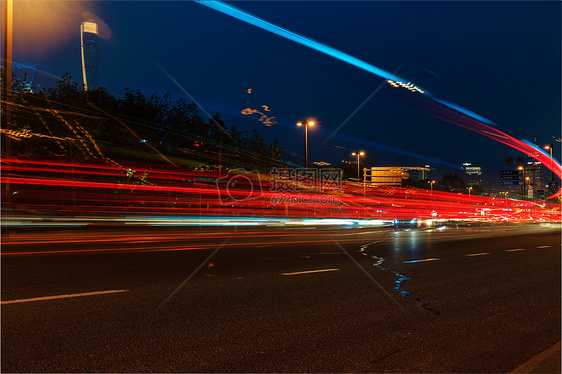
358,154
549,147
305,125
6,91
431,184
524,189
7,57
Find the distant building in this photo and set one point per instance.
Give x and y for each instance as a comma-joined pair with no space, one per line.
321,163
389,175
89,48
529,178
473,174
536,184
420,174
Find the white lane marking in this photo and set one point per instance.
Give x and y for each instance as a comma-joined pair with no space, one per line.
515,249
478,254
544,246
423,260
309,271
359,233
322,253
61,296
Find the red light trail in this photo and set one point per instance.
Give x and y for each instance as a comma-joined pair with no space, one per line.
59,188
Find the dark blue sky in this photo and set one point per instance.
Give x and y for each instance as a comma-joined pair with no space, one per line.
498,59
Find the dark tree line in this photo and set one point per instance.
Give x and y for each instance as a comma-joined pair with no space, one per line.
63,118
448,183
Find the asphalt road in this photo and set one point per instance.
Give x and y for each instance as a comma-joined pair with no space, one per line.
482,299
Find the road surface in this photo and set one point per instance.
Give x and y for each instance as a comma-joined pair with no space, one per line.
466,299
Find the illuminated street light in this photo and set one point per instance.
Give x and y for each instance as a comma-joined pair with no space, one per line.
549,147
7,30
358,154
523,169
431,185
306,125
7,60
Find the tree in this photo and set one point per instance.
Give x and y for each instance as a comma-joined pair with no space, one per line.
453,183
275,151
477,190
66,121
67,92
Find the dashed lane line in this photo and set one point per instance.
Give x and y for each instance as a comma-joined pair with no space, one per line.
477,254
310,271
422,260
515,249
544,246
61,296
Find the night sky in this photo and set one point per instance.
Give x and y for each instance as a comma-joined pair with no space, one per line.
501,60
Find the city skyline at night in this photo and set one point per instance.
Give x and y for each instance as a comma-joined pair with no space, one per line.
402,131
280,186
398,137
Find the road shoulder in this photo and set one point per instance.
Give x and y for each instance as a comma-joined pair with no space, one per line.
545,362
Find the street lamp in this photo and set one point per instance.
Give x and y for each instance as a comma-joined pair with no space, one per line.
469,189
305,125
524,190
431,185
358,154
7,57
549,147
6,77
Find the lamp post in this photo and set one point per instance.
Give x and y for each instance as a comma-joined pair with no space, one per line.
358,154
524,190
6,93
431,185
549,147
469,189
7,57
305,125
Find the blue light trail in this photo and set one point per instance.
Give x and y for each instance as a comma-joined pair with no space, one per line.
463,110
385,147
278,30
253,20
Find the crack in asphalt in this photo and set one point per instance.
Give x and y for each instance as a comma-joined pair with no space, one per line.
398,283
